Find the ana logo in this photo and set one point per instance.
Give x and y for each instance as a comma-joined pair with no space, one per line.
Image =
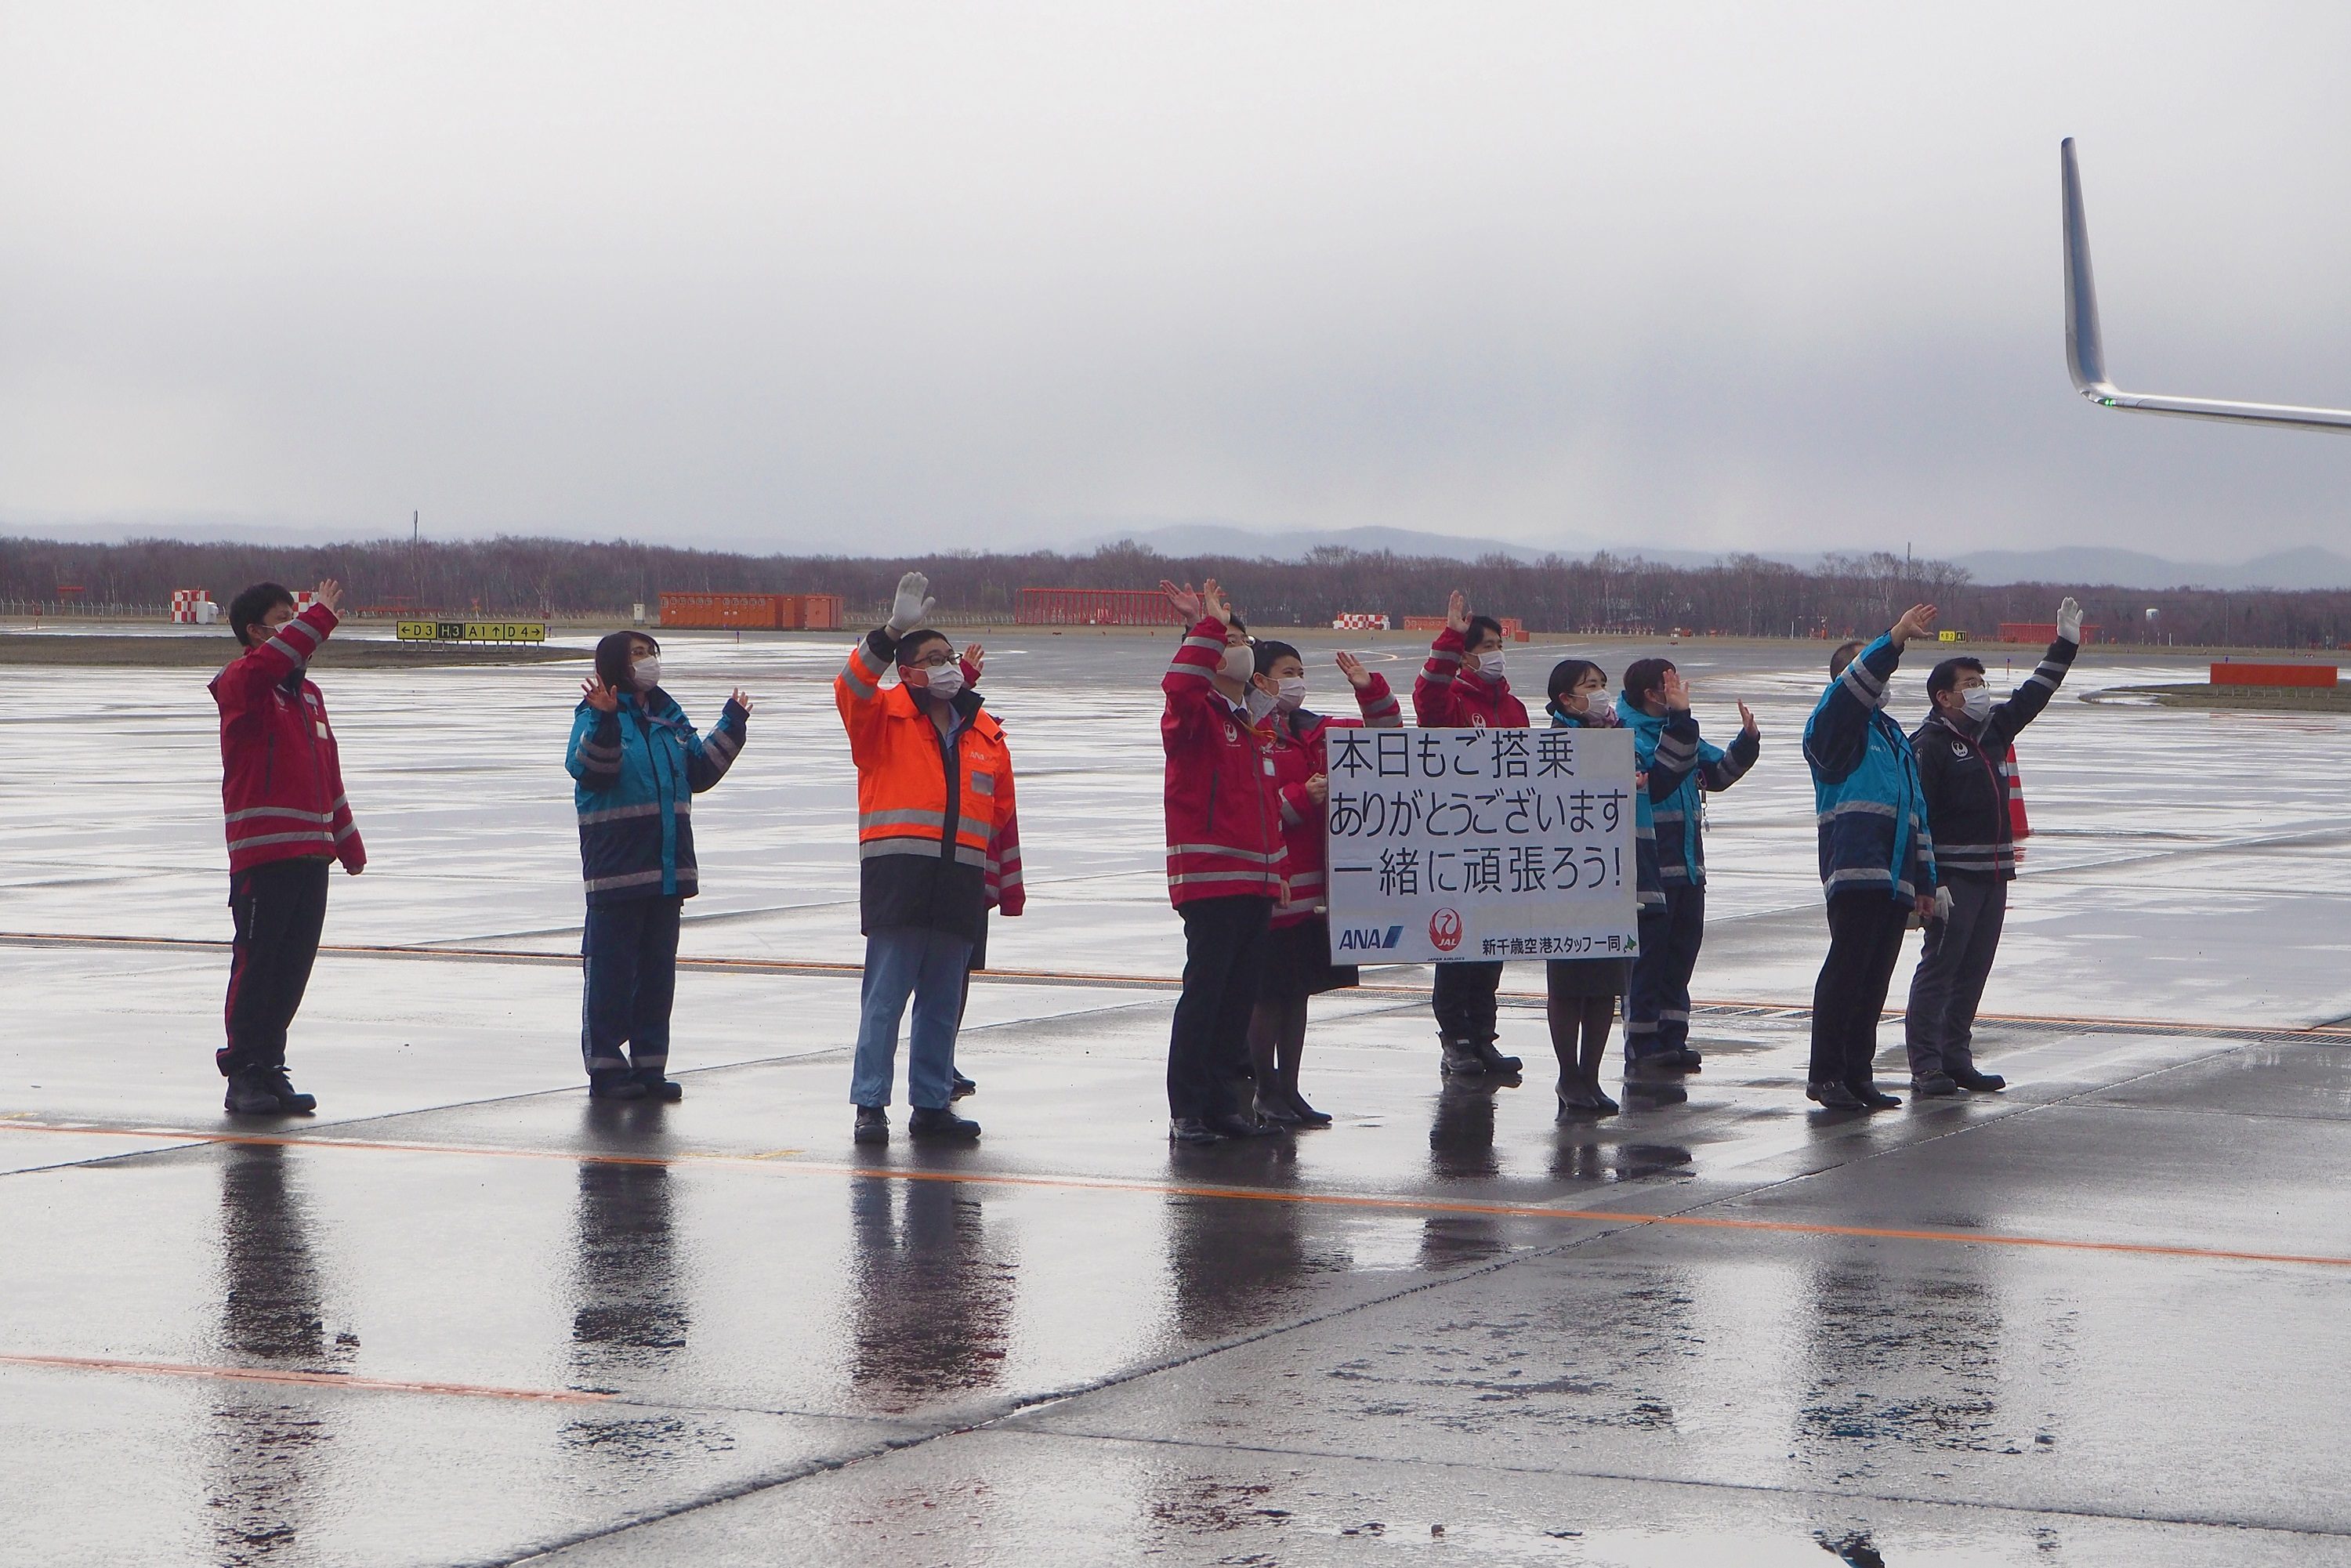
1445,930
1359,938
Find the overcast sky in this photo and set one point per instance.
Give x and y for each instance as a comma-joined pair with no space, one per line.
1714,276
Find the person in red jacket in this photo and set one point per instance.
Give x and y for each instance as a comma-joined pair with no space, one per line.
1463,686
1298,952
1224,860
282,792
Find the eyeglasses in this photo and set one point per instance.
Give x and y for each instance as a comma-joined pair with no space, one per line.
930,662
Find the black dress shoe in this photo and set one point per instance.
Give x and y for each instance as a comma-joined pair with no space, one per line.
961,1086
1577,1101
1233,1125
1981,1083
1277,1111
1873,1098
1307,1114
1193,1130
873,1125
941,1122
1833,1096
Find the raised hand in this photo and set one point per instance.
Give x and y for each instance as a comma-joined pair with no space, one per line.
1747,724
1213,600
912,606
1457,612
330,594
1186,603
600,696
1353,668
2069,620
1318,788
740,698
1917,621
1674,691
977,657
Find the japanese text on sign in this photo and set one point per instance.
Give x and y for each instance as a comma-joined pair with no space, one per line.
1481,844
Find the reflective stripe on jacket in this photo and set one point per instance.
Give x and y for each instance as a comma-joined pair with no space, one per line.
281,773
937,839
1966,771
636,772
1300,750
1224,823
1871,810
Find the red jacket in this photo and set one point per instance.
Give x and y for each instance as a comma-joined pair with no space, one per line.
1448,696
1300,752
281,780
1224,825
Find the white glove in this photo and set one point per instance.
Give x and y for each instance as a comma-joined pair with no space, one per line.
1943,894
2069,620
912,605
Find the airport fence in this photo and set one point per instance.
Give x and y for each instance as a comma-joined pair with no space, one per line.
74,610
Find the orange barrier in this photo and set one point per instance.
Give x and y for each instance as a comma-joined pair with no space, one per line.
1513,628
762,611
2235,674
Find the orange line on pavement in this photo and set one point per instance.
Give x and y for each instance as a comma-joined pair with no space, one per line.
1384,1202
314,1379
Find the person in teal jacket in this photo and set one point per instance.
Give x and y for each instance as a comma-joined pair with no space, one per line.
1681,766
1878,858
637,764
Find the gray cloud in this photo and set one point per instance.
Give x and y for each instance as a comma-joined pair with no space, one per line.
1707,276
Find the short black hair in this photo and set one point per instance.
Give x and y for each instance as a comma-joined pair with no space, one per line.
917,637
615,652
1270,652
246,611
1238,624
1643,677
1944,677
1568,675
1481,624
1844,655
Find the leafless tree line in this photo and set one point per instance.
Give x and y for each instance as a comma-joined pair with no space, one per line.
1745,594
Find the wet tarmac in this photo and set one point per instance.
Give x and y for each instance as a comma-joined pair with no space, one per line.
466,1316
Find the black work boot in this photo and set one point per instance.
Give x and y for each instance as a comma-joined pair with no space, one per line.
1933,1086
1495,1062
668,1089
942,1122
615,1088
961,1086
1872,1097
249,1094
1833,1096
1462,1059
1979,1083
873,1125
290,1099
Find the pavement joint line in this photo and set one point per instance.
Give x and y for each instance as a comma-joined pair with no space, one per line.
1376,1202
308,1379
1713,1008
1915,1498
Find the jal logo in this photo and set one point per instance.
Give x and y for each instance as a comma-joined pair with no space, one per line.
1370,938
1445,930
1232,736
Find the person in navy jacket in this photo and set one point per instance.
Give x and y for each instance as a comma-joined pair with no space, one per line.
637,764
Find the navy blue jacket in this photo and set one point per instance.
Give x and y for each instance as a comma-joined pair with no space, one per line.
638,769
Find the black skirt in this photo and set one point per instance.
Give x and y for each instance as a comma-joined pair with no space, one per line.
1298,962
1574,977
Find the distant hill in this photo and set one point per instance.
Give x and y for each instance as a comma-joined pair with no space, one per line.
2309,567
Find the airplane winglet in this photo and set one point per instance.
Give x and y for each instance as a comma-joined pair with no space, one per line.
2085,349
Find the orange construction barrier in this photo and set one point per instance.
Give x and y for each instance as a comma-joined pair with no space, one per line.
1513,628
1092,607
2236,674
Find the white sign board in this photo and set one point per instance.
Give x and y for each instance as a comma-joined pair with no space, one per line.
1481,844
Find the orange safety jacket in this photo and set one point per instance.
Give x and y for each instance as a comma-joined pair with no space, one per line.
938,842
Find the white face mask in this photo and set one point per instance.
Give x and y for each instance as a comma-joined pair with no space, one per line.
645,674
1258,703
1977,704
945,680
1491,664
1241,662
1293,693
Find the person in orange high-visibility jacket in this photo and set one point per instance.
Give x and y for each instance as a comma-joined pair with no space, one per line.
937,846
1227,862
